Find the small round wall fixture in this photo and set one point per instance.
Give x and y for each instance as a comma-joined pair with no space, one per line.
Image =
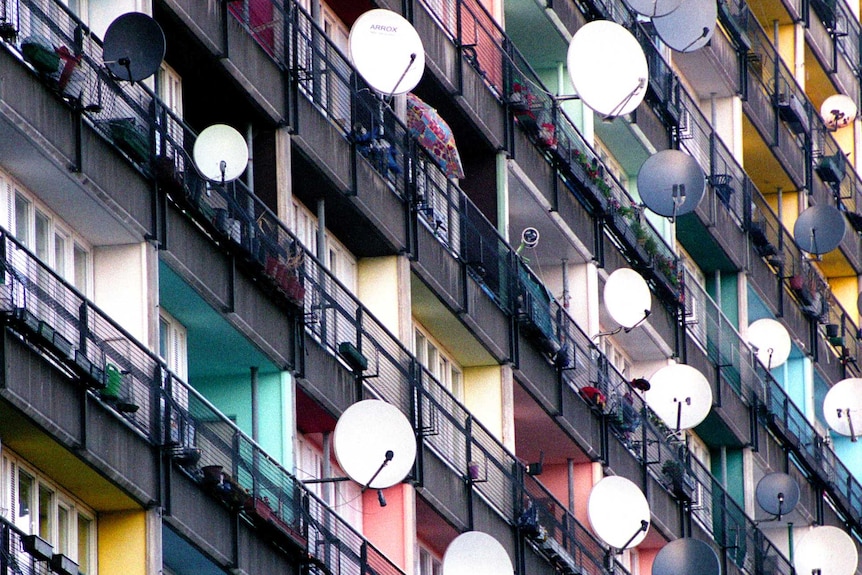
374,444
819,229
684,557
653,8
838,111
134,47
608,68
689,27
627,297
842,407
476,553
671,183
825,550
770,341
220,153
618,512
680,395
387,51
777,493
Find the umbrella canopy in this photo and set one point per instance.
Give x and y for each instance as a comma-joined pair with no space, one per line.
434,134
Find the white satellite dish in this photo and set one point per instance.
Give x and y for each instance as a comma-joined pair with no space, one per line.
476,553
838,111
689,27
842,407
387,51
374,444
770,341
671,183
220,153
680,395
618,512
608,68
627,297
825,550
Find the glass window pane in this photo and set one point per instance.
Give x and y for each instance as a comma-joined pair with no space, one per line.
80,258
60,254
63,530
46,500
84,544
22,219
43,236
25,500
163,338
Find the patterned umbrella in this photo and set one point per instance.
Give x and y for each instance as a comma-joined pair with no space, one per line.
434,134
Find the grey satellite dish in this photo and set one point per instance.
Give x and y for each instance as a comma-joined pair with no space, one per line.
134,47
671,183
220,153
819,229
618,512
684,557
653,8
842,407
387,51
777,493
689,27
374,444
859,303
476,553
825,550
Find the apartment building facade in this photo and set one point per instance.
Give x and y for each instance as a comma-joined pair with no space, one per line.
178,351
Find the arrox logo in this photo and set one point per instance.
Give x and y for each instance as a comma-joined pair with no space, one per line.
384,28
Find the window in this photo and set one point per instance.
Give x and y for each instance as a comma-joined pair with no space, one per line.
338,258
438,362
172,344
36,505
427,563
347,495
42,232
171,89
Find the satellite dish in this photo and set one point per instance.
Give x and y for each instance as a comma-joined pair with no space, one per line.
838,111
819,229
671,183
627,297
608,68
825,550
689,27
134,47
842,407
374,444
653,8
220,153
680,395
684,557
777,493
618,512
476,553
770,341
387,51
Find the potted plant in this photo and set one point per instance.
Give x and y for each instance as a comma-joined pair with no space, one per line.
677,478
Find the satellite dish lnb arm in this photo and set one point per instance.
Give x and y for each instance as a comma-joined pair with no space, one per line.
386,459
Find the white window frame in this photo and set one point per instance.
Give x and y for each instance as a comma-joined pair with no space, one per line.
346,495
437,360
10,190
11,468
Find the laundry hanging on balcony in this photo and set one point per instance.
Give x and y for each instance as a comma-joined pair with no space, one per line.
434,134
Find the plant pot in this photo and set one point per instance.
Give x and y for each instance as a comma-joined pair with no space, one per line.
831,330
212,474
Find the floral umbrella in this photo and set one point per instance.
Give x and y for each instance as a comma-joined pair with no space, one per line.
434,134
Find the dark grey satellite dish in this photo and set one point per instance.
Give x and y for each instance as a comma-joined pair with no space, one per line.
819,229
684,557
777,493
689,27
671,183
134,47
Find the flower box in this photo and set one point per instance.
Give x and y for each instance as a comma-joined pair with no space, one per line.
40,549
